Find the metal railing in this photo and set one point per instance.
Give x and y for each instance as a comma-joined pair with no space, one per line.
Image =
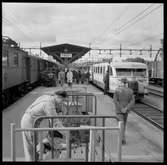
75,96
91,156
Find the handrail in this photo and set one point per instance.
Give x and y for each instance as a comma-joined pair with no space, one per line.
78,93
39,119
90,128
72,116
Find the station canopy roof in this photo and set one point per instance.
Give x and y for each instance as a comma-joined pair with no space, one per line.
66,53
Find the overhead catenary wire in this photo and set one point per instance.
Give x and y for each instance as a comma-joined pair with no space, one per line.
115,20
11,12
138,19
19,29
133,18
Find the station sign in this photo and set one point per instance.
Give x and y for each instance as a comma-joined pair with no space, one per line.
66,55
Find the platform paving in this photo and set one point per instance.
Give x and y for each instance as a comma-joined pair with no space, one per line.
144,141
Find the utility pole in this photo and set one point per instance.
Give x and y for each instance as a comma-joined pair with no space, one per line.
120,50
40,48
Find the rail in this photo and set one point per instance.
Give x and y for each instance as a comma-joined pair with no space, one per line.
155,90
91,139
150,113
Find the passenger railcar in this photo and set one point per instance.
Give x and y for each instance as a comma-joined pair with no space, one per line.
118,70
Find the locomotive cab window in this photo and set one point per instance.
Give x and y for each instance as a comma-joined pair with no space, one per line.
15,59
5,57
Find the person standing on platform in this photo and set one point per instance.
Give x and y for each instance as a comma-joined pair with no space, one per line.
82,76
79,77
106,82
74,76
61,77
69,78
56,76
45,105
87,77
124,100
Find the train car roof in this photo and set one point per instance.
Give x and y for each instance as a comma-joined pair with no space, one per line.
124,64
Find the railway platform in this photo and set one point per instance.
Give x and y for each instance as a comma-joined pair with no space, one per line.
144,141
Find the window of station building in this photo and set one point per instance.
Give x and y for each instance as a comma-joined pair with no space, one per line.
15,59
5,57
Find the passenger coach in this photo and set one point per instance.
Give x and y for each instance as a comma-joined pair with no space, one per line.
118,70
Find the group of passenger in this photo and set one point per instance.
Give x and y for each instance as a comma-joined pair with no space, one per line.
61,76
73,76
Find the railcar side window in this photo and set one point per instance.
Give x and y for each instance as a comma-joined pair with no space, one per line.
5,57
15,59
103,69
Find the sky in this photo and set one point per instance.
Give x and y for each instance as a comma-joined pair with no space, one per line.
102,25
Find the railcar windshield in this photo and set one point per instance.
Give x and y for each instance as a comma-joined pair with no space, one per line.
131,72
139,72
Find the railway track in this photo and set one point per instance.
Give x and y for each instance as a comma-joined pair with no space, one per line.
150,113
155,90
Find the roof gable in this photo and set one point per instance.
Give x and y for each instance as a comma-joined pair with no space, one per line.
75,51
